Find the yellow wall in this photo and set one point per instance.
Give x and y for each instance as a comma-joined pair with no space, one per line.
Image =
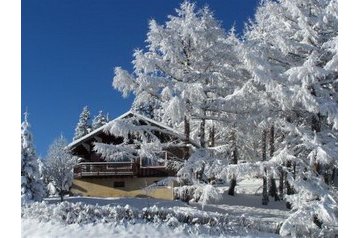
103,187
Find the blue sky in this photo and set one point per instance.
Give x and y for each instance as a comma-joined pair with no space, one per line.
70,48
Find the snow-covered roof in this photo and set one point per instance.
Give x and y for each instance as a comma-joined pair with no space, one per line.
139,116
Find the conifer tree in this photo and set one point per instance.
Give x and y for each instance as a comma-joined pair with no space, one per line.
99,121
32,187
83,126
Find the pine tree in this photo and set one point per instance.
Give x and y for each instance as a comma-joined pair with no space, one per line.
83,127
32,188
99,121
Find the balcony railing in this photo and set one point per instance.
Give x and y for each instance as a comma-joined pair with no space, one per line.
160,161
88,169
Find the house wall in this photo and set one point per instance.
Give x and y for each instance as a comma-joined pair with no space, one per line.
103,187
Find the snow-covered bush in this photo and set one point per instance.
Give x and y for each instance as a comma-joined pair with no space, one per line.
194,221
201,193
58,167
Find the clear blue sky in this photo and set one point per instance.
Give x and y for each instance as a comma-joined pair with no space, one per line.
70,47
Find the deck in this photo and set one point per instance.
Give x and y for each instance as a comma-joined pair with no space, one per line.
104,169
96,169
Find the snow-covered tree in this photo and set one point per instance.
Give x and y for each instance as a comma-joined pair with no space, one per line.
59,165
189,61
291,50
202,193
290,54
283,74
141,139
189,66
32,188
83,126
99,120
45,178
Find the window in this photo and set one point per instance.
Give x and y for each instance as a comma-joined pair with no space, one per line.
118,184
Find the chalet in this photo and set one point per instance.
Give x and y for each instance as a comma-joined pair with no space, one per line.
95,175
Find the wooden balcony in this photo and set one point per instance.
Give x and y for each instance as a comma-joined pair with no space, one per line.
88,169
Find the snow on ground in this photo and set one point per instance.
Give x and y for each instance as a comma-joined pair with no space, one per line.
249,186
34,229
138,203
249,205
242,215
248,202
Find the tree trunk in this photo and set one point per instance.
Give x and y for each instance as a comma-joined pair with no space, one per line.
280,187
231,191
265,198
335,177
186,198
212,137
234,157
233,149
317,221
233,160
317,168
272,140
264,133
202,133
61,195
186,129
272,187
315,123
200,173
289,189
